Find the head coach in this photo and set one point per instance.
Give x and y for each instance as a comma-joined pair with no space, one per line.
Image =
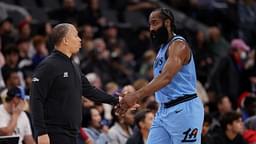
57,87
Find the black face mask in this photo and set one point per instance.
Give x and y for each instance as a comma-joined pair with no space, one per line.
159,36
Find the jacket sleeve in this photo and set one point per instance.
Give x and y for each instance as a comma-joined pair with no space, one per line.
41,84
95,94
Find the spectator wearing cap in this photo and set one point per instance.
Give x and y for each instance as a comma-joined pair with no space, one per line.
229,77
13,120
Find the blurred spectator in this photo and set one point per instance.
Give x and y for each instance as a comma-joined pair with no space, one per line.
128,89
121,130
11,79
206,132
217,44
98,61
67,13
112,89
250,123
249,107
94,79
45,29
28,81
26,52
141,43
224,106
143,6
250,132
152,105
112,38
247,20
203,57
12,57
96,131
23,46
143,121
101,110
84,137
201,92
24,30
13,120
40,48
146,69
5,8
87,34
7,34
232,126
92,14
229,77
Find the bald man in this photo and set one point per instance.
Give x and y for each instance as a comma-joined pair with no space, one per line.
57,87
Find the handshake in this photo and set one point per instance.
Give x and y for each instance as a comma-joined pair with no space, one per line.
127,100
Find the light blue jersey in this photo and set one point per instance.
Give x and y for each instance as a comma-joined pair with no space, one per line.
182,122
183,83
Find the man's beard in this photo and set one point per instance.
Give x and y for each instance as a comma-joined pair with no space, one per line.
159,36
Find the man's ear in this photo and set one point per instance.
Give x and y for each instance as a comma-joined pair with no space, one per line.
229,126
65,41
167,23
141,124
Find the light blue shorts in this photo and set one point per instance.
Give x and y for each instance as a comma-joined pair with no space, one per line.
179,124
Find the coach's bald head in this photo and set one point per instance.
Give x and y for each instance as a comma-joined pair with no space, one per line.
65,38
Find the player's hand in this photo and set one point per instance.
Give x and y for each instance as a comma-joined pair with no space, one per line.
128,101
43,139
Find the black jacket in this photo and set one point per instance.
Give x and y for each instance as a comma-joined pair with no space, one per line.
221,138
57,87
136,138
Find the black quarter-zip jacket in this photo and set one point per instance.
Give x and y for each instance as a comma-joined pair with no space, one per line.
57,87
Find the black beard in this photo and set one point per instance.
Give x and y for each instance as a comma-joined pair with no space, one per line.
159,36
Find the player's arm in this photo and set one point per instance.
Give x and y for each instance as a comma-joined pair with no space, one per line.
178,55
95,94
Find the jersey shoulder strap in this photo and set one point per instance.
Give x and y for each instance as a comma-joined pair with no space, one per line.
175,37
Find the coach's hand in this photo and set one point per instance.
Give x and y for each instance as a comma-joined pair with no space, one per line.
43,139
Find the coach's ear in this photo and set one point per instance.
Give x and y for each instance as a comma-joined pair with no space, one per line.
65,40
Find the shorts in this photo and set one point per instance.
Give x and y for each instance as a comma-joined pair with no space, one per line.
179,124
